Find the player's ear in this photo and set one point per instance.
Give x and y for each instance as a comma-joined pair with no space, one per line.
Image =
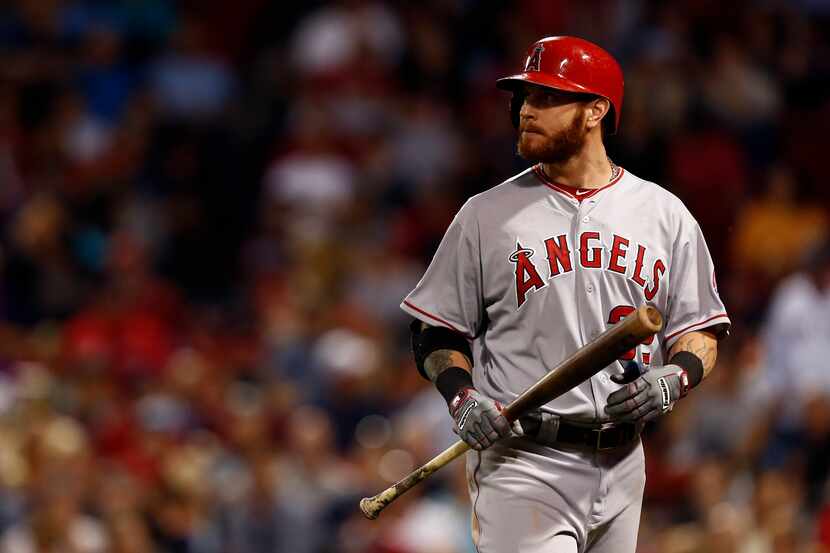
598,108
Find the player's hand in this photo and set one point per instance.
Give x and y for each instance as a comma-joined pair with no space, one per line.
647,396
478,419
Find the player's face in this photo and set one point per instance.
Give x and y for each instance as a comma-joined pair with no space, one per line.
551,125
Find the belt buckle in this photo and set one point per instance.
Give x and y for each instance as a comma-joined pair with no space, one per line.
598,445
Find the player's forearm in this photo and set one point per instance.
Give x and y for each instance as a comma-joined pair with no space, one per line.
702,344
440,360
444,357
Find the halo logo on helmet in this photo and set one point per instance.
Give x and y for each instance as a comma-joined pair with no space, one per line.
570,64
534,61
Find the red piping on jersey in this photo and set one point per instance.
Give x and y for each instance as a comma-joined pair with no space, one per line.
570,190
475,503
440,320
673,334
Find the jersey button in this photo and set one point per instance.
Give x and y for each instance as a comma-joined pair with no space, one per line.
586,219
589,288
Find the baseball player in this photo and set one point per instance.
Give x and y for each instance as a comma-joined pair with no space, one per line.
533,269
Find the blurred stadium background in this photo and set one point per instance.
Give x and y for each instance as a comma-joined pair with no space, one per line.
211,210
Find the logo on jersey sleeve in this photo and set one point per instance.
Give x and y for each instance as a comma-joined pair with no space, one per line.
620,258
527,277
534,60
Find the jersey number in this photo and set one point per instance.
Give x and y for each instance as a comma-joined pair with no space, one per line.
616,315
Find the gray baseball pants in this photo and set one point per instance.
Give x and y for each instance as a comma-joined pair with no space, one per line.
530,498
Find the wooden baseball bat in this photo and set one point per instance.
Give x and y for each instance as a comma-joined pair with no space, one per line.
580,366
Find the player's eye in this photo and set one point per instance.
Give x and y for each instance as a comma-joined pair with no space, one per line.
539,97
546,98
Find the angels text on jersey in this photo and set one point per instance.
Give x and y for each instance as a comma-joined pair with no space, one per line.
561,257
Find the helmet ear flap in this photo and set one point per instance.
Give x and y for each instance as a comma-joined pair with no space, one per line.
515,107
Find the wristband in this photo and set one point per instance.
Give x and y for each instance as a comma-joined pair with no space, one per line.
453,380
690,363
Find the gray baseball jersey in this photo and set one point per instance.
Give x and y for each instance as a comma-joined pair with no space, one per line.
531,270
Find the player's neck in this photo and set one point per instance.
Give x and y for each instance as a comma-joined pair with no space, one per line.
591,168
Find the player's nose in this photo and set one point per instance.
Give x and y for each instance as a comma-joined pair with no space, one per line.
526,111
527,117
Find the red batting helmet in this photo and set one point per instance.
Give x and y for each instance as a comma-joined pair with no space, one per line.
573,65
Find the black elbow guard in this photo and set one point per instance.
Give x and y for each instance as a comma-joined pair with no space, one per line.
432,339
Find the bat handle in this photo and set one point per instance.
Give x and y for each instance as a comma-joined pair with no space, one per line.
372,506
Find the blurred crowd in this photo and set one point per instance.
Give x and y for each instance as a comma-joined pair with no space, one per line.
210,211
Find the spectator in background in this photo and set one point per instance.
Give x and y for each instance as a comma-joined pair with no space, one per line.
341,36
105,79
736,89
796,333
59,474
798,227
724,175
190,82
312,182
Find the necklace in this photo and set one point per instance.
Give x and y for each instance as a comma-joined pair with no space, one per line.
615,171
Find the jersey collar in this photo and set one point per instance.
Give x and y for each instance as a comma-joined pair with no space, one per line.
578,194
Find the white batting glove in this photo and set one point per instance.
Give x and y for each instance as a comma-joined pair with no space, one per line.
478,419
649,395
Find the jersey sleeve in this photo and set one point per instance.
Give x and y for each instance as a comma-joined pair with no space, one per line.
694,303
450,292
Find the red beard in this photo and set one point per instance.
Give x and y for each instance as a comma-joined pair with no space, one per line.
559,148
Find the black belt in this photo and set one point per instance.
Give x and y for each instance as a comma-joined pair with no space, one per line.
549,430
